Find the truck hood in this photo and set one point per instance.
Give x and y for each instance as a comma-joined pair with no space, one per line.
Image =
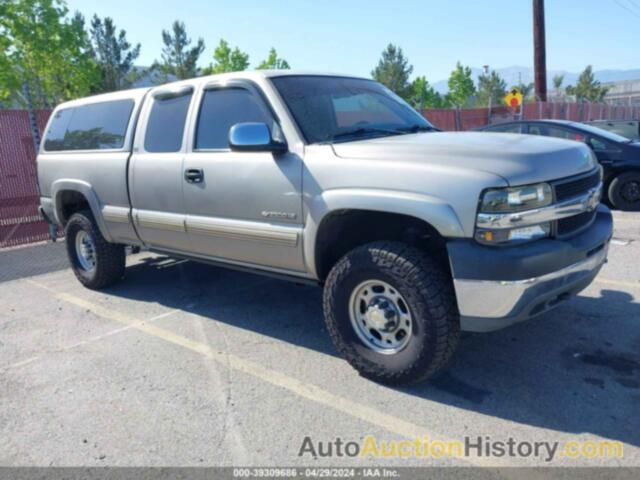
519,159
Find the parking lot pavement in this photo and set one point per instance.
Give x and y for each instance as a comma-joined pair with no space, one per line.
186,364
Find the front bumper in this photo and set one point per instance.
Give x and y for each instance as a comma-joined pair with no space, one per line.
497,287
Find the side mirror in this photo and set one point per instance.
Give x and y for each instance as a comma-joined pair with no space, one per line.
254,137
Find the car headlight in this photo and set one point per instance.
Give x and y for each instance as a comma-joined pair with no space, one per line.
508,200
516,199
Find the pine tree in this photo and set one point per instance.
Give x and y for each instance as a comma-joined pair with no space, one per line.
393,70
113,54
588,88
461,86
491,89
179,59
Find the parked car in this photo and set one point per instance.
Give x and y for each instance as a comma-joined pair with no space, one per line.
618,155
626,128
415,234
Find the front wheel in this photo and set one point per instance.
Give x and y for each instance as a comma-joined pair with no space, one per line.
624,191
94,261
391,312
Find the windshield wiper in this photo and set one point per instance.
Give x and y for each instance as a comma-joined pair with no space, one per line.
356,132
419,128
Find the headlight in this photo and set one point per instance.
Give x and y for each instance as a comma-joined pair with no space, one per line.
516,199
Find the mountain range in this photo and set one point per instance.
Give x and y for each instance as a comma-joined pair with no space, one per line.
512,76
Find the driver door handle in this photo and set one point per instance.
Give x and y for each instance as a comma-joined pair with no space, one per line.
194,175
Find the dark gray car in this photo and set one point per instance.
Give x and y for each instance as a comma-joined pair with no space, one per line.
618,155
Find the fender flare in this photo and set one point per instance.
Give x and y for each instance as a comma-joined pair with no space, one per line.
84,188
432,210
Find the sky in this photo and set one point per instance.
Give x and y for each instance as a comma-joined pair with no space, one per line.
348,36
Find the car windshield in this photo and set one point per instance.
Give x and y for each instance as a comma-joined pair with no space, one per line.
340,109
606,134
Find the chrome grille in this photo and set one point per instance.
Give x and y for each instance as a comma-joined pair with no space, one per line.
572,187
568,188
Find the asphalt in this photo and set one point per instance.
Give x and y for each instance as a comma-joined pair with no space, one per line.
184,364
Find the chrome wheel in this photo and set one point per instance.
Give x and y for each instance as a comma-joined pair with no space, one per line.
85,251
380,316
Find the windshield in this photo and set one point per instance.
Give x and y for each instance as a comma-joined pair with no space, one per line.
329,109
606,134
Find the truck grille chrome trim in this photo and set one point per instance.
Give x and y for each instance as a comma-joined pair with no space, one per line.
587,202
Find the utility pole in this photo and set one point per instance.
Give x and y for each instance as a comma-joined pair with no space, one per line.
539,51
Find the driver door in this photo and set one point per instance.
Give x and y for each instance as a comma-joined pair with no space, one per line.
243,207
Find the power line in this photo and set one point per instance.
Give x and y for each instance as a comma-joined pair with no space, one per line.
627,8
634,4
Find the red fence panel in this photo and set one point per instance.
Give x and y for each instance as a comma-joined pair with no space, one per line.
470,118
19,198
19,220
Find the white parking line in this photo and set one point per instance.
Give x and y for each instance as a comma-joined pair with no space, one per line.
298,387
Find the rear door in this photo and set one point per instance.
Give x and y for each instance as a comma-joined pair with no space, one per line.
156,180
246,206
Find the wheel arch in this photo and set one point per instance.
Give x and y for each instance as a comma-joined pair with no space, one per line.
429,215
71,196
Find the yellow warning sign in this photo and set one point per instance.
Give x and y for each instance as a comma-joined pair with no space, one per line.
513,98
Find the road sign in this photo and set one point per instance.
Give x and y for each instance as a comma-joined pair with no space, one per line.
513,98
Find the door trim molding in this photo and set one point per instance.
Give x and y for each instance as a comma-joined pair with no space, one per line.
243,230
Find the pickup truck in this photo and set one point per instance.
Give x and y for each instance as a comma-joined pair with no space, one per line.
415,234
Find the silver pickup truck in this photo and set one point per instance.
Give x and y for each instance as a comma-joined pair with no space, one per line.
415,234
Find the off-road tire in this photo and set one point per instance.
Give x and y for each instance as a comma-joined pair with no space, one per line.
110,257
428,291
615,191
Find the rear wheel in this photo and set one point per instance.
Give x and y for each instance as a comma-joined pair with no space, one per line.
391,312
624,191
94,261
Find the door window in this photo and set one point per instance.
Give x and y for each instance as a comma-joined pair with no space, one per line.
221,109
600,145
549,131
517,128
165,127
96,126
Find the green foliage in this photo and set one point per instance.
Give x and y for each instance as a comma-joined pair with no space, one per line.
527,90
113,54
557,81
179,59
491,89
273,62
587,88
424,95
45,49
393,70
227,60
461,86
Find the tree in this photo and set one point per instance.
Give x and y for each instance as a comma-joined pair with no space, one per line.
393,70
43,52
587,88
461,86
179,59
526,89
227,60
113,54
424,95
273,62
491,89
557,83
